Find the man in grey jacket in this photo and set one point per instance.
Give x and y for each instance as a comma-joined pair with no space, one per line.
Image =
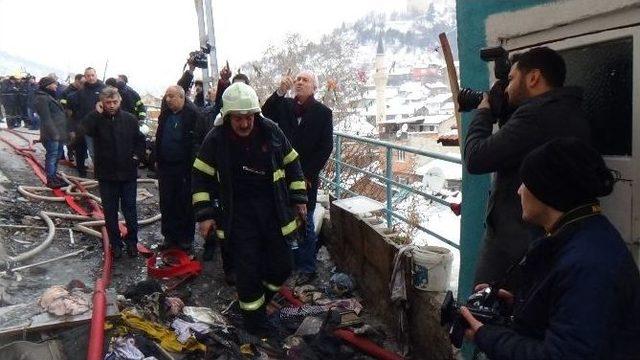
544,110
53,128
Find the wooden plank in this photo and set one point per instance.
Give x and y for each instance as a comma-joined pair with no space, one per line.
30,317
453,80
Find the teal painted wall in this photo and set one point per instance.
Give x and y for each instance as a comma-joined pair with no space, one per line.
471,17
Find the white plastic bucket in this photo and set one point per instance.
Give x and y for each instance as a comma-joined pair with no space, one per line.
431,268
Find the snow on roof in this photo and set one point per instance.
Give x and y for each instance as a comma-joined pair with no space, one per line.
436,85
411,86
356,126
416,95
436,119
452,171
438,99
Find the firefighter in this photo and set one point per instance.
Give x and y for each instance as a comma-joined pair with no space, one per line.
248,187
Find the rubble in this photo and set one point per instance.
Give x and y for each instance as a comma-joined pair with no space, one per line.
194,316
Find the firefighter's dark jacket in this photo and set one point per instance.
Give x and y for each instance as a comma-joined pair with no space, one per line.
193,128
117,138
213,189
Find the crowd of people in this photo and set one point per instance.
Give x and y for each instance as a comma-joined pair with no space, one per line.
17,97
246,176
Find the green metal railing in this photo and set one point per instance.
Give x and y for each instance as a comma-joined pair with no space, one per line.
387,178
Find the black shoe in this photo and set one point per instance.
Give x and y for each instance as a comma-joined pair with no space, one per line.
188,248
132,250
209,251
306,278
54,183
116,251
230,278
166,245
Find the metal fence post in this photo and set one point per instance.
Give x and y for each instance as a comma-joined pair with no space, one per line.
338,150
388,176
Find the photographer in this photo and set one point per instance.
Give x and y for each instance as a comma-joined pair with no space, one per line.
544,110
581,294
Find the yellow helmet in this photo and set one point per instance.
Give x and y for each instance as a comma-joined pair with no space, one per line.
239,98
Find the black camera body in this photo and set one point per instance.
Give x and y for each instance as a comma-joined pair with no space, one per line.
483,305
198,58
469,99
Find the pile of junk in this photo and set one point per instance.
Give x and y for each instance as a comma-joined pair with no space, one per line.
152,319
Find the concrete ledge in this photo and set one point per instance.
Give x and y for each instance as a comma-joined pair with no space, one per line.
362,249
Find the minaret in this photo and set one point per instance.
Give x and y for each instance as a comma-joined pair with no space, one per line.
380,78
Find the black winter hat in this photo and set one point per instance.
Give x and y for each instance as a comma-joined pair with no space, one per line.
45,81
566,173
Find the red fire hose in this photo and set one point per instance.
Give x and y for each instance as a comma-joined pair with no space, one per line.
96,334
349,336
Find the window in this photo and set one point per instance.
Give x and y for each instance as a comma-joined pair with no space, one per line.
604,71
401,155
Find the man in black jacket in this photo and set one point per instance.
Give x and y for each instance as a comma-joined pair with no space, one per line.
53,128
67,94
133,98
544,110
82,103
177,143
580,298
119,146
248,188
308,125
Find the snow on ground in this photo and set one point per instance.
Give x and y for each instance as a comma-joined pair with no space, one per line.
439,219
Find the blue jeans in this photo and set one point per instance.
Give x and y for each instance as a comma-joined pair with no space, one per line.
120,194
89,141
51,157
305,254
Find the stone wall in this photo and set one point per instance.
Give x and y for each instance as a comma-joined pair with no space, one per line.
362,249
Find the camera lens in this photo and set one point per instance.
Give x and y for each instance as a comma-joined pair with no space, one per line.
469,99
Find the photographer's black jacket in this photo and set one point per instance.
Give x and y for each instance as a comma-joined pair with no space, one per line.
554,114
581,299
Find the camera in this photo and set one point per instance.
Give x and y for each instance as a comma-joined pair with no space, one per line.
469,99
198,58
483,305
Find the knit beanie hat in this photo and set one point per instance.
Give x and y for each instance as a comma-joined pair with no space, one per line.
566,173
45,81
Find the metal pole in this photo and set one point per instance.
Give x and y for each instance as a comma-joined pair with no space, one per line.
388,175
203,42
211,35
338,165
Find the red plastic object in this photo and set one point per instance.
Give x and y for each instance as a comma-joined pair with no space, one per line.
179,262
456,208
366,345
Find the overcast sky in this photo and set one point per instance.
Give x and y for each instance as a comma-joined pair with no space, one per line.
149,40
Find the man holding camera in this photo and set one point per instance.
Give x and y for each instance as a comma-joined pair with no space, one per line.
544,110
581,295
